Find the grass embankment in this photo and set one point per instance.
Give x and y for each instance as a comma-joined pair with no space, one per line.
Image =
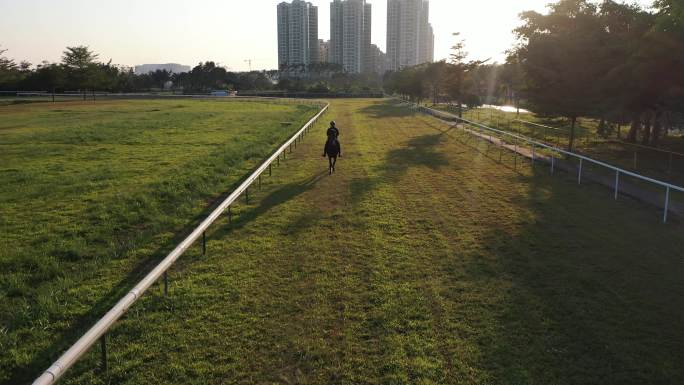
642,159
422,261
93,193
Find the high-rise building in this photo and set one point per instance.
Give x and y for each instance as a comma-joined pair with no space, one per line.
378,60
323,51
410,38
350,35
297,33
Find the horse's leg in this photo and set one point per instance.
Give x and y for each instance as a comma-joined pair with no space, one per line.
334,162
330,165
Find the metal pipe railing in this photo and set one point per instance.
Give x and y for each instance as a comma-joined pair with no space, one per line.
77,350
650,148
668,186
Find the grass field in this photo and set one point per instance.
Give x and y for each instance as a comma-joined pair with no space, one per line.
422,261
641,159
92,194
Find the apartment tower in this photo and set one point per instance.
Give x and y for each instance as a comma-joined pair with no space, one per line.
350,35
297,34
410,38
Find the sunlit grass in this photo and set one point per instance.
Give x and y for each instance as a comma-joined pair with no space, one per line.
93,193
611,148
421,261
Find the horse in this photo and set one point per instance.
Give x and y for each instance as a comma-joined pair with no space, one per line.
332,150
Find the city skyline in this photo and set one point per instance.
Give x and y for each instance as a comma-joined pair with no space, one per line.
132,33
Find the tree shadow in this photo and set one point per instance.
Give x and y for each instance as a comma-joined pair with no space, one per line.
591,296
419,151
588,294
387,109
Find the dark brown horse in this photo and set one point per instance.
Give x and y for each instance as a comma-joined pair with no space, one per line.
332,151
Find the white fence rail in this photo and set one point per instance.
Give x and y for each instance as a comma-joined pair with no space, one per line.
99,330
555,150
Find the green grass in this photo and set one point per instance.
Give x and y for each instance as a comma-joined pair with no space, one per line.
94,193
651,163
422,261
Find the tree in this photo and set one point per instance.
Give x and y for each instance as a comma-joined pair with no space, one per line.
319,88
560,54
407,82
10,74
457,82
434,78
81,67
512,79
160,77
47,76
625,93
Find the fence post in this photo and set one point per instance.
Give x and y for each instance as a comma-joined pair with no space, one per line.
103,348
515,156
270,172
617,183
204,243
579,175
166,283
635,159
667,204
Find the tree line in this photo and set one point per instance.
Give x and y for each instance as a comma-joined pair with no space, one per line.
80,70
618,63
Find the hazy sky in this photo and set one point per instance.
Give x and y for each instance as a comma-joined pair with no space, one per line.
134,32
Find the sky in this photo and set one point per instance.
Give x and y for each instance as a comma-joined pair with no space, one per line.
132,32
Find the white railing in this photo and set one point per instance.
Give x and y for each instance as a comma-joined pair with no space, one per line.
555,150
99,330
670,154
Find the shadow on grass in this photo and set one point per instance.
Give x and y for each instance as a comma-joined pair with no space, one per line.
271,201
421,151
591,289
596,291
387,109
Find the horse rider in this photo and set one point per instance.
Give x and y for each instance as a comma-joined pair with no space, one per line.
333,134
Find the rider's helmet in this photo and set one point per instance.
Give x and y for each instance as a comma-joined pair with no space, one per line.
332,124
